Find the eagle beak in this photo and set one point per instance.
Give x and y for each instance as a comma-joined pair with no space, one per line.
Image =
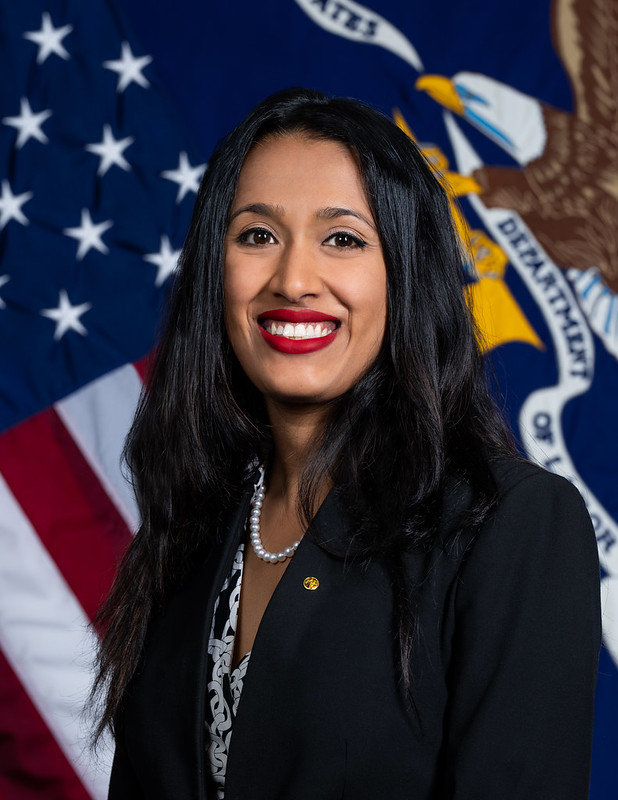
442,90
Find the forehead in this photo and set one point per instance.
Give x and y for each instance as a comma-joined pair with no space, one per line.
296,167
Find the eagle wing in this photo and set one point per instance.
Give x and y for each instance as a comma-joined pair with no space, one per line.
585,36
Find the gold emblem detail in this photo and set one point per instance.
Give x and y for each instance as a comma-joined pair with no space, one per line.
311,583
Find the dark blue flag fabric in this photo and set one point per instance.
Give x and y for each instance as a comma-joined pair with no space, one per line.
108,113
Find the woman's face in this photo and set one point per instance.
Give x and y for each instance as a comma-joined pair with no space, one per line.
304,274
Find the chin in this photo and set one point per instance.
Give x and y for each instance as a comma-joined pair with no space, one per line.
303,397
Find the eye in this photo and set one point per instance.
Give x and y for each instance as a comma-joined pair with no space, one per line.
256,237
344,240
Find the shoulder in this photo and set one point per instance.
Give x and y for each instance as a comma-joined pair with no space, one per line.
531,573
521,488
540,523
512,474
521,637
527,492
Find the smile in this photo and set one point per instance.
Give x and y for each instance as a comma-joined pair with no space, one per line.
296,332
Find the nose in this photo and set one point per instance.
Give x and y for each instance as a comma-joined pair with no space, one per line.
296,273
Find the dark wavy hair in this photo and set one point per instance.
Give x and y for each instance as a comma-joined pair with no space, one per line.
421,413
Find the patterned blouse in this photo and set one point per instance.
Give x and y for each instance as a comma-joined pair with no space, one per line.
225,684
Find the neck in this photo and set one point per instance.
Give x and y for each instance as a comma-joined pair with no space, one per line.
295,431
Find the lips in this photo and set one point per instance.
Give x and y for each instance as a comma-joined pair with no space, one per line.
297,331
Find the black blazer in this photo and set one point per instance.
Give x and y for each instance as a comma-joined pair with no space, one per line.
503,675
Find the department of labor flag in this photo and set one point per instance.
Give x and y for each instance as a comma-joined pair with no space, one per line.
108,111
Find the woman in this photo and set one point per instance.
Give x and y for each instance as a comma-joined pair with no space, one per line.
317,456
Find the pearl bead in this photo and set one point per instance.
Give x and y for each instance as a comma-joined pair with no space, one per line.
254,527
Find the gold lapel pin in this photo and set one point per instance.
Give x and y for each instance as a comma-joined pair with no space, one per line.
311,583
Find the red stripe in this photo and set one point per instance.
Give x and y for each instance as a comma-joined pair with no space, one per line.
144,365
32,765
66,504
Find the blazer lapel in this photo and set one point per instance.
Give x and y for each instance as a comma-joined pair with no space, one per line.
303,595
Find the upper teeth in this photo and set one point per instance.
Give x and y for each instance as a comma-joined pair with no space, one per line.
300,330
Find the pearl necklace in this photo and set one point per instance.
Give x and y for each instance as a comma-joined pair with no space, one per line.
254,528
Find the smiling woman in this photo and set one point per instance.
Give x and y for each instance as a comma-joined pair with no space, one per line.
346,583
303,273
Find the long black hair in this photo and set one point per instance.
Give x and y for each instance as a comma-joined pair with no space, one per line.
422,412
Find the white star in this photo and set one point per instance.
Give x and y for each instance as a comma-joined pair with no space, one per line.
28,124
10,205
66,316
165,260
3,279
186,176
49,39
110,151
129,68
89,235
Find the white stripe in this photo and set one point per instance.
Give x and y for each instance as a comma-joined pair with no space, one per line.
45,635
98,417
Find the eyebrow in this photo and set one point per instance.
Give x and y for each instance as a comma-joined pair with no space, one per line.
332,212
264,209
329,212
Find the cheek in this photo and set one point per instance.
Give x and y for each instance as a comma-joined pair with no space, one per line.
235,295
377,311
233,321
370,300
242,283
230,288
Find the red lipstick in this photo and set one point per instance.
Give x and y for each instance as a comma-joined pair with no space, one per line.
293,316
297,346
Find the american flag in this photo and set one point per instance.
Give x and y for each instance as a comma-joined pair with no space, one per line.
97,182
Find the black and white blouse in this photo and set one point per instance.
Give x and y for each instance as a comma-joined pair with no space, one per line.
225,684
